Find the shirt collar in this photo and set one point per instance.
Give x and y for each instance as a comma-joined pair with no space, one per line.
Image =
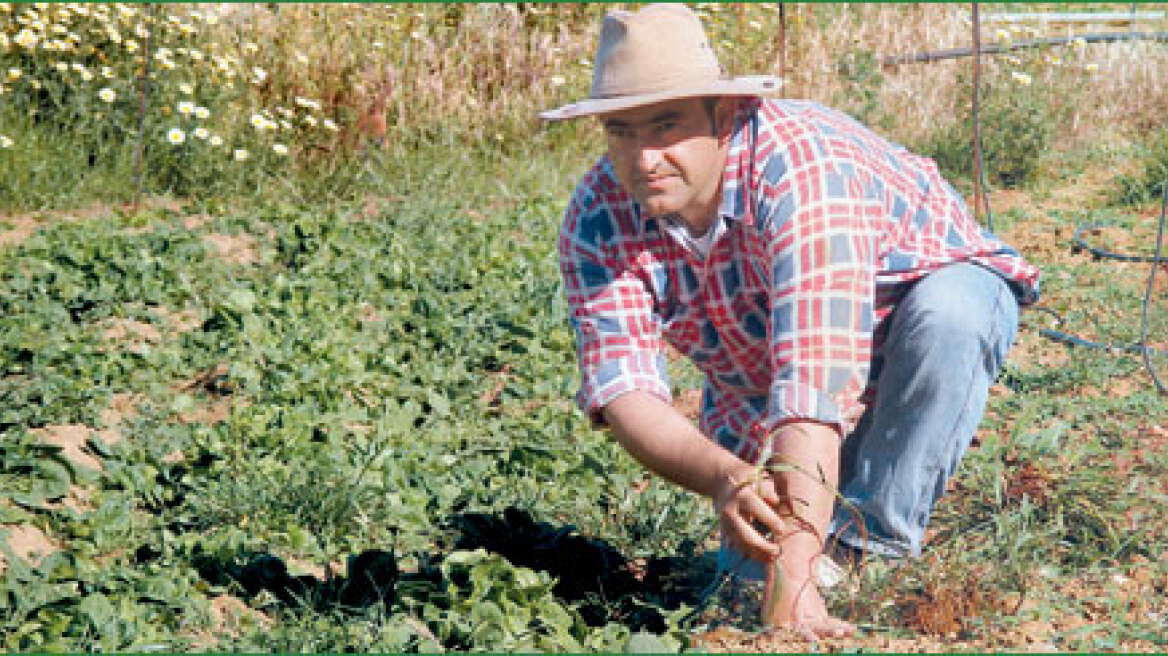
737,178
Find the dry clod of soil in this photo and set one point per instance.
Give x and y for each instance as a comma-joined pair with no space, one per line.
237,249
28,542
122,407
130,330
21,228
229,613
217,410
72,438
195,221
78,500
181,321
369,314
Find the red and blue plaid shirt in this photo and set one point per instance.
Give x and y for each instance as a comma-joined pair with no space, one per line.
825,224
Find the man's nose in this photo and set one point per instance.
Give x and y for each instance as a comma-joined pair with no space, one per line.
648,157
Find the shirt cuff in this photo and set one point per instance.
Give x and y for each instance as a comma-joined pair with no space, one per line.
790,402
603,383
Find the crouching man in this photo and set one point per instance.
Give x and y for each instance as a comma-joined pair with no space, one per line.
848,313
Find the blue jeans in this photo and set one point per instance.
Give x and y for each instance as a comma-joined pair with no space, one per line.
946,342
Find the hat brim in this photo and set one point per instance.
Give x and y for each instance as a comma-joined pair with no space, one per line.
745,85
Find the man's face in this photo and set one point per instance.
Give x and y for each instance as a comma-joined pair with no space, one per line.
670,157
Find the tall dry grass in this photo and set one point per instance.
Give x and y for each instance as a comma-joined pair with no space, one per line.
399,71
396,71
1099,90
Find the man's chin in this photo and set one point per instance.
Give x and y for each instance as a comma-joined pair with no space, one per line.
658,206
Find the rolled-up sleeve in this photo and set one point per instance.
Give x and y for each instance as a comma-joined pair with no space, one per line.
821,241
618,331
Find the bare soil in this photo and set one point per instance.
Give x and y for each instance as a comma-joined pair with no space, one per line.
237,249
72,438
28,542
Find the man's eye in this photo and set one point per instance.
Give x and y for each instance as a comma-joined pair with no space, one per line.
666,126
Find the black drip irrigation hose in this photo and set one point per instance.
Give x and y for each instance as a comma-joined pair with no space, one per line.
1102,254
1078,244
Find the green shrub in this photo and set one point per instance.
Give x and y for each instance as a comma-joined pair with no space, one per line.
859,72
1147,185
1016,123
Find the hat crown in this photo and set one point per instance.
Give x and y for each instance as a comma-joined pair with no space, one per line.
658,48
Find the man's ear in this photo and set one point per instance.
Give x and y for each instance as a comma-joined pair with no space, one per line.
724,118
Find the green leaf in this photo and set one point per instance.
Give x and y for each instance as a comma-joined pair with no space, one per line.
646,643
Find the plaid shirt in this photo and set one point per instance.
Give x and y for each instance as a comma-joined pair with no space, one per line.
824,225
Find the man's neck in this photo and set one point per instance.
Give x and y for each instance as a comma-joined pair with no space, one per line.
695,230
699,221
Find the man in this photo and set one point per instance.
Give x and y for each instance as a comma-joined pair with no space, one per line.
847,311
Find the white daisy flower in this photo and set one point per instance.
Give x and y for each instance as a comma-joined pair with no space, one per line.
107,95
240,154
176,136
1021,78
307,103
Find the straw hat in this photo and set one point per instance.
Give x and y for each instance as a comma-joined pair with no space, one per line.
658,53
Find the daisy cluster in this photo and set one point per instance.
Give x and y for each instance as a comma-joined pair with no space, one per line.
102,65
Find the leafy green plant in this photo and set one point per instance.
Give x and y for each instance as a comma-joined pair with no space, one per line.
1017,125
860,74
1148,184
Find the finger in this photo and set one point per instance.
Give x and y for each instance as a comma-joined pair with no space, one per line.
750,541
764,512
769,494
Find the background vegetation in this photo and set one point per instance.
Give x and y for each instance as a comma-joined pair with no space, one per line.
285,364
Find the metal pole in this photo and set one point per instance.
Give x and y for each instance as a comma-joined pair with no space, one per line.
783,40
977,163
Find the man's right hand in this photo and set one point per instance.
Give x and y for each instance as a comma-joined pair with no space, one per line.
747,508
